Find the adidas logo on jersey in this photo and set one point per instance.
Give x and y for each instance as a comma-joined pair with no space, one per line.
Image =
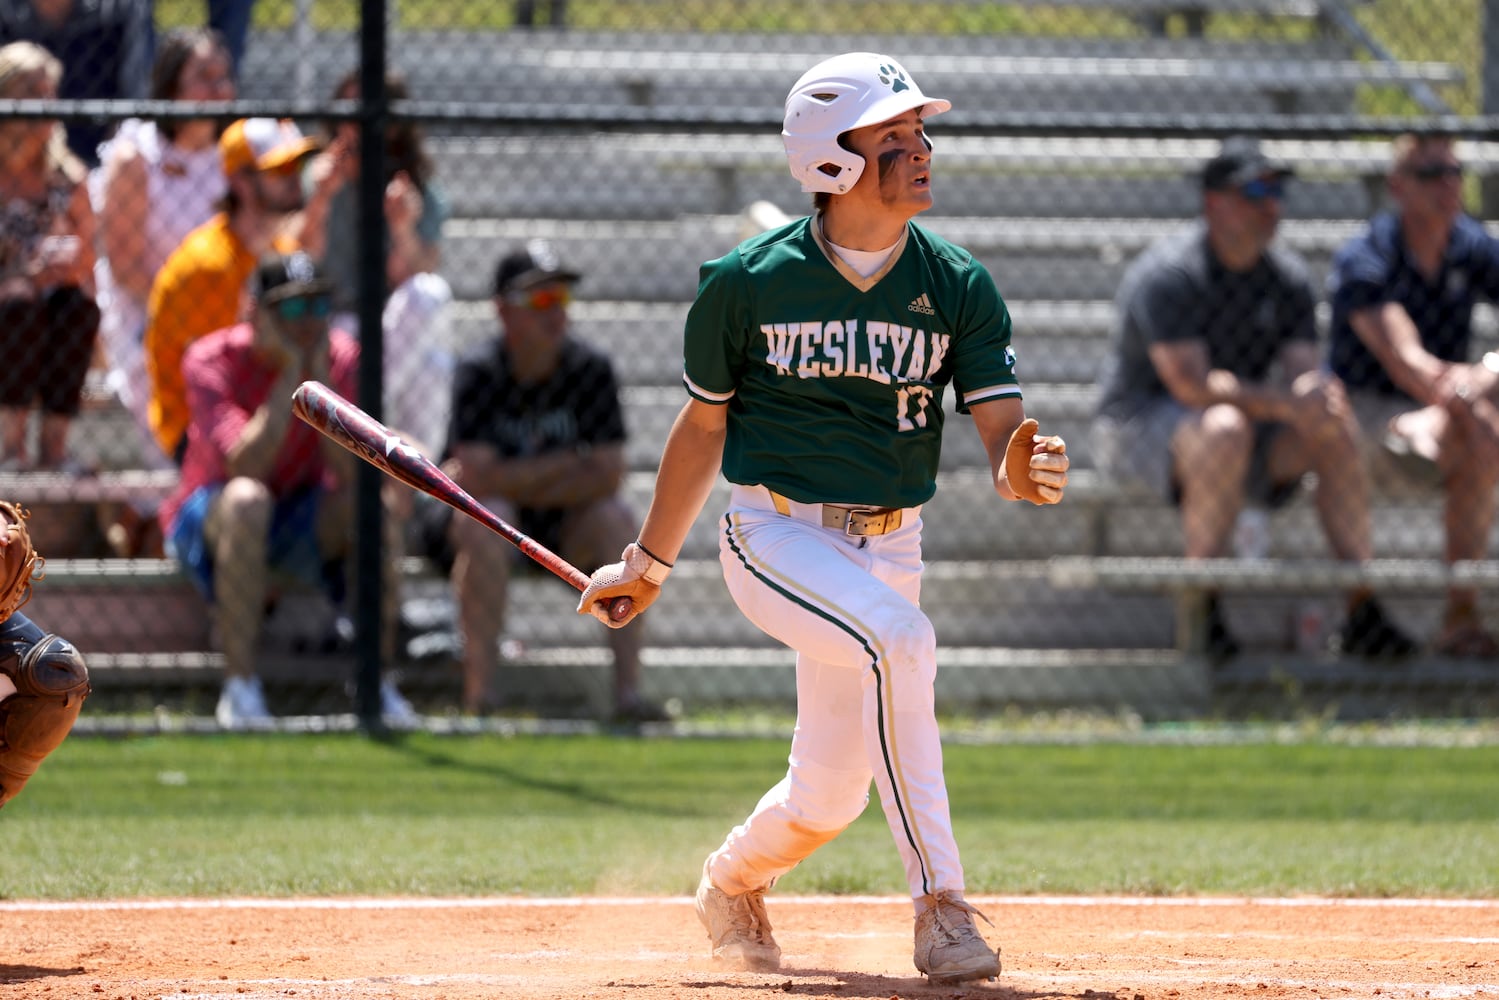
922,305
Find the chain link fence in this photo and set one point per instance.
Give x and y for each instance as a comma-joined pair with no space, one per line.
634,141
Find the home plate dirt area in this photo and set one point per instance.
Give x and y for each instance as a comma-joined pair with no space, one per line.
644,949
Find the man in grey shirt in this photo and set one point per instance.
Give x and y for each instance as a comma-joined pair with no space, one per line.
1213,396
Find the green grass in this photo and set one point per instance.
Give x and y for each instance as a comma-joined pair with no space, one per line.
338,814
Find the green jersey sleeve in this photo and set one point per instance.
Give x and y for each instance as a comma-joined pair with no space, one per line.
983,357
717,334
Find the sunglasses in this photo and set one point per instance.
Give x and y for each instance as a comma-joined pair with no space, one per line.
295,307
1428,172
1263,187
542,299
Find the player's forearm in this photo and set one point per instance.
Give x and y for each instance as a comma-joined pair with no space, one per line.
689,467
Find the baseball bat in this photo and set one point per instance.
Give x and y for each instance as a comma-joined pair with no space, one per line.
349,426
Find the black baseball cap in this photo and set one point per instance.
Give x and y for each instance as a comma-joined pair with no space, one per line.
534,264
281,275
1239,161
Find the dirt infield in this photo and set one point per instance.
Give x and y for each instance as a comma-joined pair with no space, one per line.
646,949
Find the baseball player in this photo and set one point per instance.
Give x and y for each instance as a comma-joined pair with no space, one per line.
817,356
43,680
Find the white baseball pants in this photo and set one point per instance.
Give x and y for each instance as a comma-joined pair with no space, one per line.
865,665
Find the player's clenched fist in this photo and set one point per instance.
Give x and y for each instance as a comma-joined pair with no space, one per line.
638,575
1036,465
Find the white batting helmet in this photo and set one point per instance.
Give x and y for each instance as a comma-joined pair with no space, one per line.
835,96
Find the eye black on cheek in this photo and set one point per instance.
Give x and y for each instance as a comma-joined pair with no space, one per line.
887,162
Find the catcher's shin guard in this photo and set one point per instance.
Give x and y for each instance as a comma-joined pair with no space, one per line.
51,682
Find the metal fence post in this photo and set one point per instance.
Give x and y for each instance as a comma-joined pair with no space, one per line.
369,517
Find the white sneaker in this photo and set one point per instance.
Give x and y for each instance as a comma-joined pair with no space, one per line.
949,948
242,704
737,927
394,708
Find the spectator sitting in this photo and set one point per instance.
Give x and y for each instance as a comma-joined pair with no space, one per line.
103,45
48,316
417,365
1402,340
262,491
201,287
1192,407
157,181
538,436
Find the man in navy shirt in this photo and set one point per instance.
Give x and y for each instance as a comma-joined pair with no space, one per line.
1402,296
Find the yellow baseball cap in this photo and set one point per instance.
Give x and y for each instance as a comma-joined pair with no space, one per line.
263,144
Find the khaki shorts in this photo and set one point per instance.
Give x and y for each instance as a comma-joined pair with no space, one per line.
1136,455
1391,469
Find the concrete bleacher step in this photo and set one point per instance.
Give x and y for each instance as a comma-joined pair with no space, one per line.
512,67
971,603
1030,258
966,521
735,70
1005,636
120,606
1056,341
577,681
648,176
968,678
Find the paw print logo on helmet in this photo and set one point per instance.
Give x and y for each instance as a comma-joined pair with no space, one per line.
893,77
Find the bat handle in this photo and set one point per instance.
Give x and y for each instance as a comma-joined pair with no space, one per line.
620,608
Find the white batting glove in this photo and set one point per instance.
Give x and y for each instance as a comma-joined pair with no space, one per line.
638,576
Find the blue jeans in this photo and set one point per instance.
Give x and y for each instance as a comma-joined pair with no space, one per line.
293,549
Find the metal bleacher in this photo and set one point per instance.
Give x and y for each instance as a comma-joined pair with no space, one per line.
1056,220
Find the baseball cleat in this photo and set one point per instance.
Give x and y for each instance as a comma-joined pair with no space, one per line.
949,948
737,927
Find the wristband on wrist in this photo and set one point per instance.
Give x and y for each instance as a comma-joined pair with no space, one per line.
651,569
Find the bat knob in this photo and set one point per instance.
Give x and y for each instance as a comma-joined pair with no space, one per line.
620,608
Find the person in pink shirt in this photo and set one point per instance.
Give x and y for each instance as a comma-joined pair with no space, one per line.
264,496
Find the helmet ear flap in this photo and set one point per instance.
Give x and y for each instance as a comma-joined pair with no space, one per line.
835,173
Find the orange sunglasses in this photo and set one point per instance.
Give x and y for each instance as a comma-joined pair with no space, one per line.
542,299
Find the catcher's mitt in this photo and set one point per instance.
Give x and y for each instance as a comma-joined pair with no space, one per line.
19,562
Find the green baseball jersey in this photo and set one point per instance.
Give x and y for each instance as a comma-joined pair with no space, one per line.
834,382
